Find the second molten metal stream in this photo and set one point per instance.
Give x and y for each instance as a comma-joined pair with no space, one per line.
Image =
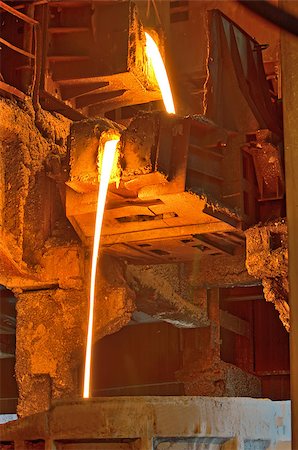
160,72
106,169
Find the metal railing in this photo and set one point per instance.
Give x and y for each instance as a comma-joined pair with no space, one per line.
36,56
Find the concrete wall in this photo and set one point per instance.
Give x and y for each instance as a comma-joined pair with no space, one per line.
147,423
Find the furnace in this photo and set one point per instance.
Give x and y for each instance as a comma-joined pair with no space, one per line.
184,231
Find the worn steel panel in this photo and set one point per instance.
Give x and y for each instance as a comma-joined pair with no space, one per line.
238,96
180,177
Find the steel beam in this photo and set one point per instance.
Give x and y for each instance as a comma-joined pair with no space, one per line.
289,61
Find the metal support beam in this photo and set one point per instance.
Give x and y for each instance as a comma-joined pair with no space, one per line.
7,347
289,54
233,323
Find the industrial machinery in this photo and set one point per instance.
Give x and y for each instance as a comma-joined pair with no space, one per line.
205,185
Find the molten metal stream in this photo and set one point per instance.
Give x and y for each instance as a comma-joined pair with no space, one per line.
107,165
160,73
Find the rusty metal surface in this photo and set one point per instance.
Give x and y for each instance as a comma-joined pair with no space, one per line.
7,91
182,193
188,247
89,56
95,57
268,168
289,49
238,95
18,51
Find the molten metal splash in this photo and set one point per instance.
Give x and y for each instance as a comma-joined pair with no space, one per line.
106,168
160,73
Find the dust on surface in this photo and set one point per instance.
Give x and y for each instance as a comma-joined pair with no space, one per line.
267,259
52,329
49,339
162,292
28,137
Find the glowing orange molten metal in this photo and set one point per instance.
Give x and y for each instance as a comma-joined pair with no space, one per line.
154,56
160,72
106,169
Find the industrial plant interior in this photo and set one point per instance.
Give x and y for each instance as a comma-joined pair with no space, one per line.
147,185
